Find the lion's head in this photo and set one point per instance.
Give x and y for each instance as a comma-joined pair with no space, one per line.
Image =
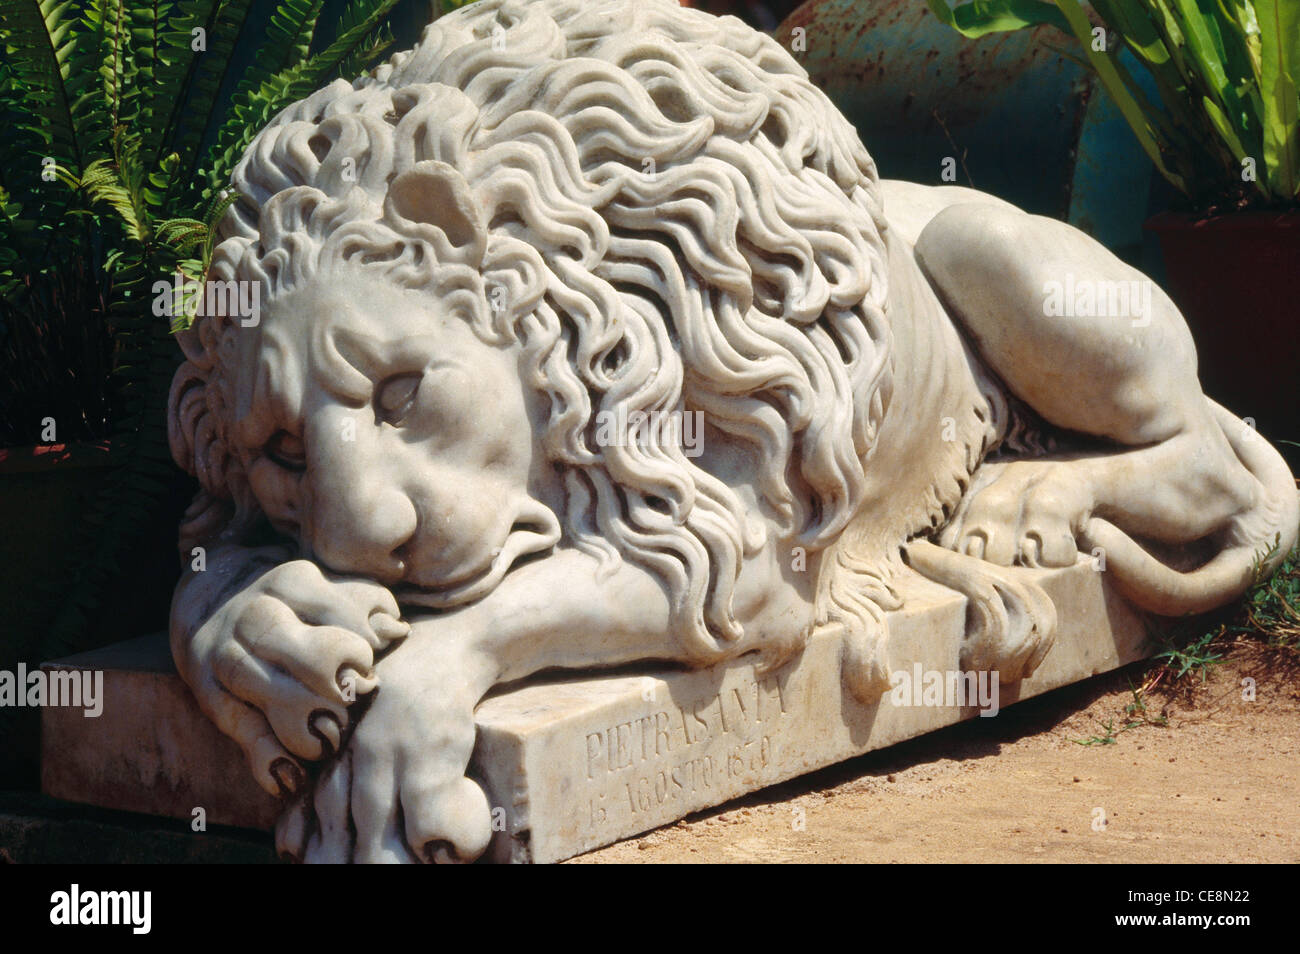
651,208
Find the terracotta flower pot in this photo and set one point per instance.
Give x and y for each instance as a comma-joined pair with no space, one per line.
1235,278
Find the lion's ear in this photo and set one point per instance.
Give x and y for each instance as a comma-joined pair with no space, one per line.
436,198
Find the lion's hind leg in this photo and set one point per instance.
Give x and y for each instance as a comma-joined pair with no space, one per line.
1093,347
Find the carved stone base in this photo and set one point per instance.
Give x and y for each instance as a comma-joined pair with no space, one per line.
577,764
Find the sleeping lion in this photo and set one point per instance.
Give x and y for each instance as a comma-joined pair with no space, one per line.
503,278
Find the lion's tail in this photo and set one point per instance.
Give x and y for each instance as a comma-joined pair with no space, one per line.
1258,541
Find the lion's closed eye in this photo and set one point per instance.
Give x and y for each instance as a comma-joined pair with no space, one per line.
287,451
395,397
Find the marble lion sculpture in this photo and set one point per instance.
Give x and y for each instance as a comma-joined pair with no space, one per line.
553,215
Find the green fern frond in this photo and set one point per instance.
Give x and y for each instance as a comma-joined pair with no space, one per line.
355,38
358,40
203,81
34,37
175,62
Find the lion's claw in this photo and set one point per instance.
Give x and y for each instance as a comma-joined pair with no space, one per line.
278,664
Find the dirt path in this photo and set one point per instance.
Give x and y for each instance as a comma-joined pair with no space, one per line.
1219,783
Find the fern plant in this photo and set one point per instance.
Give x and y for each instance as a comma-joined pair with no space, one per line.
123,120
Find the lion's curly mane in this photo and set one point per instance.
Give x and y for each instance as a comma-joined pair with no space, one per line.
679,220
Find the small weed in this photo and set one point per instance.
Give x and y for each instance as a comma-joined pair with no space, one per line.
1195,658
1107,739
1135,714
1137,709
1272,607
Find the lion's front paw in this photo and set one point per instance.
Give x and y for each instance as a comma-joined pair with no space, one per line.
398,792
446,822
368,809
1024,513
277,666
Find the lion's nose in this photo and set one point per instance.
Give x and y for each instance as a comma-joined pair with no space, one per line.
361,521
368,537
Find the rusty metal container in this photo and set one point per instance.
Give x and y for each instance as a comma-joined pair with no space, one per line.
1008,113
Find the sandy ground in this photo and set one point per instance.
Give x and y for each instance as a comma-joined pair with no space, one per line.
1219,783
